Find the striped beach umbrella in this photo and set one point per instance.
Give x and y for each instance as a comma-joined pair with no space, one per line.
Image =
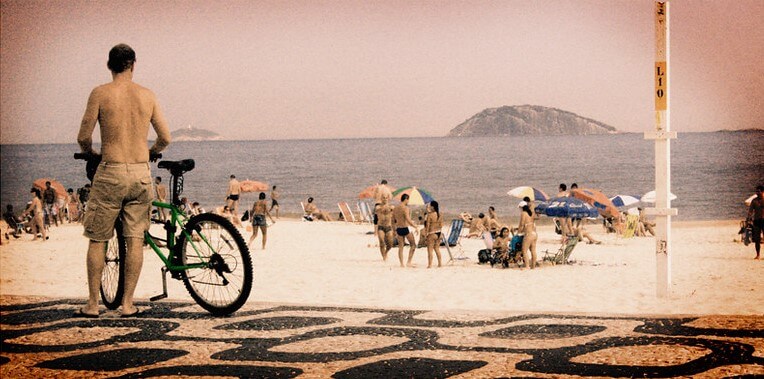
534,194
417,196
624,200
650,197
597,199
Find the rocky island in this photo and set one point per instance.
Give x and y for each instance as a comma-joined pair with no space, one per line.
521,120
194,134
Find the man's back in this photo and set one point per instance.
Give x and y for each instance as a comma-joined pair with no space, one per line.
125,113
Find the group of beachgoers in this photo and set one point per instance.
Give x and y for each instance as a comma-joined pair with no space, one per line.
256,214
46,208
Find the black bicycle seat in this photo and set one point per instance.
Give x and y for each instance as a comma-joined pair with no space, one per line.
177,167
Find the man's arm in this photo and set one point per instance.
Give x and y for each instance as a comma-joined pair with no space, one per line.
162,130
89,119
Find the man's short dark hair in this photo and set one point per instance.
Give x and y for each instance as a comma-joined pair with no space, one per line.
159,179
563,186
404,197
384,181
121,58
760,188
262,195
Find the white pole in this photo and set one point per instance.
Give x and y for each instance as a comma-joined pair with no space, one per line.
662,136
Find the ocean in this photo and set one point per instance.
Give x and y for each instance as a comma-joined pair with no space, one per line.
712,173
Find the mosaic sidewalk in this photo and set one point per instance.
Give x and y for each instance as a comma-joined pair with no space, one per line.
41,339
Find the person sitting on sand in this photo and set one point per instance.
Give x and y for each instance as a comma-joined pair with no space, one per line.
501,244
433,231
384,212
259,211
645,225
527,228
401,222
582,233
477,227
312,210
196,209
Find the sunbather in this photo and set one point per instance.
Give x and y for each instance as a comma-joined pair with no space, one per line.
402,221
35,210
527,228
384,212
582,233
501,244
312,209
433,230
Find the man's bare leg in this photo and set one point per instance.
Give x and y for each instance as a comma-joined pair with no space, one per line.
265,236
133,265
95,262
382,244
401,242
412,243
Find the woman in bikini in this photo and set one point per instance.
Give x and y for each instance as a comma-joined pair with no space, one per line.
384,212
434,225
501,245
259,211
35,210
527,227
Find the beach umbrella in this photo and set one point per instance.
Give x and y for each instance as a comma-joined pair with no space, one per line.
597,199
624,200
253,186
749,200
369,191
55,184
524,191
650,197
417,196
567,207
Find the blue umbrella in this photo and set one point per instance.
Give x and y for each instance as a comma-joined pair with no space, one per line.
567,207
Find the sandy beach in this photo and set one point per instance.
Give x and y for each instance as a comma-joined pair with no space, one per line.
338,264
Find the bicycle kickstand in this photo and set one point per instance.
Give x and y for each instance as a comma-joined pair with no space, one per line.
163,295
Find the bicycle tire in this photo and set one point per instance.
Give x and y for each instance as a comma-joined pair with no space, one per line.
113,275
223,286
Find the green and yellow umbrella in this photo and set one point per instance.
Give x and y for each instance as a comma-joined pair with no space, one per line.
417,196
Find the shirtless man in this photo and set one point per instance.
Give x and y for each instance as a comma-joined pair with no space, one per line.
384,214
402,221
381,192
122,185
232,196
756,219
275,201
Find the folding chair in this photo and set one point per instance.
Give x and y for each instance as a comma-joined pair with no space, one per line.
454,240
631,226
346,213
305,215
563,253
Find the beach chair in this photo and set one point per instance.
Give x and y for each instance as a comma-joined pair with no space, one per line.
345,211
454,240
631,226
367,214
563,253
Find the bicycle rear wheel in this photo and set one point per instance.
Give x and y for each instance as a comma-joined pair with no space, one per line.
113,276
223,285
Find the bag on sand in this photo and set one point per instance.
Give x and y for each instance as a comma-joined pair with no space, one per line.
484,256
245,216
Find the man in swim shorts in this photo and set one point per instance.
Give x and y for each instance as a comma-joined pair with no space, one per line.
232,196
756,218
122,184
275,201
402,221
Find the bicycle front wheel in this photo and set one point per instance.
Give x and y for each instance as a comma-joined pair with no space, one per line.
113,275
222,285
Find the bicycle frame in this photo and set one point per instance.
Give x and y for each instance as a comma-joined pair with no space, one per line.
177,221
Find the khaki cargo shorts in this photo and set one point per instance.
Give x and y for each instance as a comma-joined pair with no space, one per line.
119,190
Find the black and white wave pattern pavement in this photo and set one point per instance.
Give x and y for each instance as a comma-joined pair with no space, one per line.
41,339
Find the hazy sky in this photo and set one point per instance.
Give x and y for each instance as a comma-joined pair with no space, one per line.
336,69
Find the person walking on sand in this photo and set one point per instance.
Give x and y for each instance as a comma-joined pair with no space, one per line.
49,196
381,191
160,194
527,228
433,231
259,211
384,215
35,210
232,196
756,219
122,184
275,201
402,221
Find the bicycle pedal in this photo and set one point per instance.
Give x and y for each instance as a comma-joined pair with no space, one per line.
158,297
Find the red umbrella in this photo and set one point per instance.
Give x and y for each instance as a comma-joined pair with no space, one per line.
597,199
253,186
55,184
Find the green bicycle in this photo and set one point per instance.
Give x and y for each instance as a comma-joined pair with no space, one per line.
205,251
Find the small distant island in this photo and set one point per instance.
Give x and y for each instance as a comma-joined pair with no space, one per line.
521,120
194,134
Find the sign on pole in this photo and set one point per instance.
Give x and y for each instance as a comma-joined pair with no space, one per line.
662,136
